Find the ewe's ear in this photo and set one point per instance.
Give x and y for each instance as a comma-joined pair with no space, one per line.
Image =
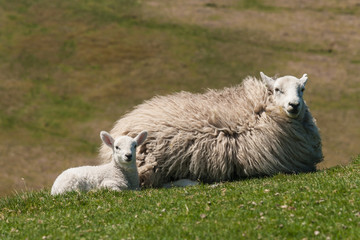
304,79
141,137
267,80
107,139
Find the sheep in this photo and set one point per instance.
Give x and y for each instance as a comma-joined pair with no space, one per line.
119,174
257,128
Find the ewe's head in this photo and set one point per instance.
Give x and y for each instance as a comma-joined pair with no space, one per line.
287,93
124,147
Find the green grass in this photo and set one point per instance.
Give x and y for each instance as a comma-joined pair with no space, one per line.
317,205
256,5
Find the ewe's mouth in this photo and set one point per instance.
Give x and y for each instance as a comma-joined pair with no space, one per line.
292,113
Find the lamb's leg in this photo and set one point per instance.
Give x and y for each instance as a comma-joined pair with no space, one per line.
181,183
112,185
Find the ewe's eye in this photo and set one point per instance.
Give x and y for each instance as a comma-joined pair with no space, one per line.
303,89
117,148
277,90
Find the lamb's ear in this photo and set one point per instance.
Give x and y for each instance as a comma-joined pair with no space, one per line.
304,78
107,139
267,80
140,138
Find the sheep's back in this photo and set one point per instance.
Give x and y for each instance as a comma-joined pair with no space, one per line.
166,116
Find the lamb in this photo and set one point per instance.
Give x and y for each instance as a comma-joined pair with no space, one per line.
258,128
119,174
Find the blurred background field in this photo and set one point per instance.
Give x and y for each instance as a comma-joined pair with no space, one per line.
69,69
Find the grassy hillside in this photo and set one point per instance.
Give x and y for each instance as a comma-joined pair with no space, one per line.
322,205
69,69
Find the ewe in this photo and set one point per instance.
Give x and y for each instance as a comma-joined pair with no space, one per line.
258,128
121,173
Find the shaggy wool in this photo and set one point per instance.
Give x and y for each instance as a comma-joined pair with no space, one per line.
220,135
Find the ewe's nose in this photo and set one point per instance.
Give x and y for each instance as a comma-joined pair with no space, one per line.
128,156
294,106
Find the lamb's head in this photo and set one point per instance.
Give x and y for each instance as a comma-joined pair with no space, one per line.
124,147
287,93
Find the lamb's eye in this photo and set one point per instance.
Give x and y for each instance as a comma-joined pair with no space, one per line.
303,89
117,148
277,90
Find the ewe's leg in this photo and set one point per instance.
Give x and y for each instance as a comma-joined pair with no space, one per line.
147,174
181,183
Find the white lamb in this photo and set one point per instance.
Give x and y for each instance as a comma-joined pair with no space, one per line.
119,174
